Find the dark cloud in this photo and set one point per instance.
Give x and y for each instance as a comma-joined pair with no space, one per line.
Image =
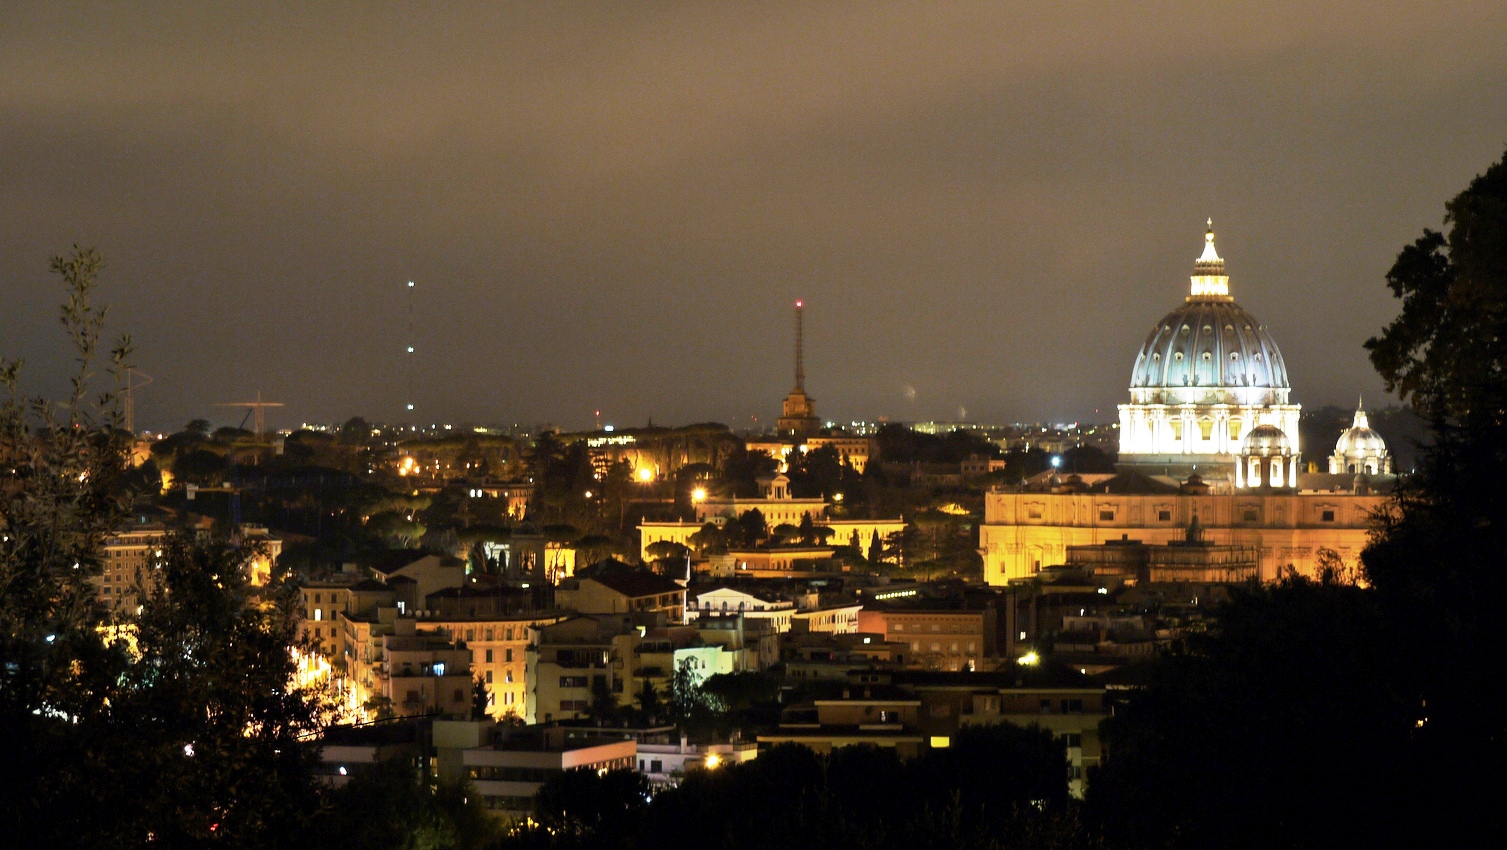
613,205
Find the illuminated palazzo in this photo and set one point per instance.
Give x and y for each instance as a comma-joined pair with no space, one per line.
1206,377
1027,530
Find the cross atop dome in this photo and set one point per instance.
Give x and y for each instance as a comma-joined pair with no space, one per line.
1209,279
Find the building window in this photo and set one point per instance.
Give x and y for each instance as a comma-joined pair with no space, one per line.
1251,515
489,656
1163,516
1328,515
1106,515
489,677
507,654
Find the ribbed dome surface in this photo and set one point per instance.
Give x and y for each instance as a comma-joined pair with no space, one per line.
1266,440
1360,442
1209,342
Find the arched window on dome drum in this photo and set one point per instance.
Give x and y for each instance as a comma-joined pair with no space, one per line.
1206,428
1234,427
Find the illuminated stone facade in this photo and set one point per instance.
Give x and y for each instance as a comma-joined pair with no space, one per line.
1024,532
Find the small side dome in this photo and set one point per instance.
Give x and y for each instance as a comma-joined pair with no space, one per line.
1360,442
1361,449
1266,440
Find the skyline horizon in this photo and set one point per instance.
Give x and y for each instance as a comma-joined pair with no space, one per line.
984,206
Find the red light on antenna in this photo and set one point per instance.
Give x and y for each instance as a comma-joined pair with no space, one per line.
800,303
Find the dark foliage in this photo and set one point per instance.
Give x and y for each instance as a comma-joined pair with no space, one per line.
997,786
386,807
1282,728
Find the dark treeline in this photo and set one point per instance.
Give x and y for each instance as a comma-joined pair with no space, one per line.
1014,796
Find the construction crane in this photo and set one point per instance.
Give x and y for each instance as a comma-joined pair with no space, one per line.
257,409
130,400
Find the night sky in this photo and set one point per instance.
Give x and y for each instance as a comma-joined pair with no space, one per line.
610,205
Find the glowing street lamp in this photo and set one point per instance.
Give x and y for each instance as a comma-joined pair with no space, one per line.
1030,659
698,495
645,475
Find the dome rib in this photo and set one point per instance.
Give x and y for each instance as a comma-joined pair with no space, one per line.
1173,358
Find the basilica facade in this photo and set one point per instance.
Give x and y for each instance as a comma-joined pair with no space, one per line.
1208,438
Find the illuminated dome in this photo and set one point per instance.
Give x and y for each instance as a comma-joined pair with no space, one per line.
1207,347
1207,376
1361,449
1265,440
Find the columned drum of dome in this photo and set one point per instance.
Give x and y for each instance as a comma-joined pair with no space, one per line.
1207,375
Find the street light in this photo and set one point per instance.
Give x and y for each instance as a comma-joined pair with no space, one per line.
698,495
645,474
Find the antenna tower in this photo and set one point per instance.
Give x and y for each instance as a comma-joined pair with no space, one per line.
130,399
409,369
800,363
